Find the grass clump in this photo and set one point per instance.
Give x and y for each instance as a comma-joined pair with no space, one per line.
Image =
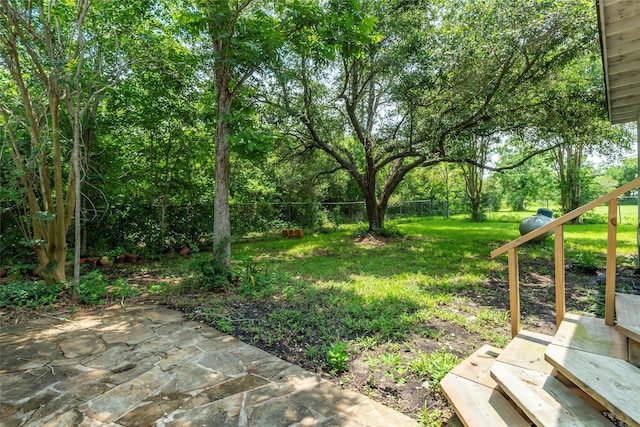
434,366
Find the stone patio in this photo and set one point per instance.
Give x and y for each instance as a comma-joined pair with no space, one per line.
148,366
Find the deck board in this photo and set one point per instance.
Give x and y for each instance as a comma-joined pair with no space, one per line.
526,350
478,405
592,335
544,399
474,395
628,315
613,382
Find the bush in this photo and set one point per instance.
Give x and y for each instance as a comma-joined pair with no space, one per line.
93,288
28,294
208,273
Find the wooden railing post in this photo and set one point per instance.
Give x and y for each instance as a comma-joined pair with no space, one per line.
610,279
560,275
514,291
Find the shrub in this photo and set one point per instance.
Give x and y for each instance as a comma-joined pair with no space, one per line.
93,288
28,294
208,273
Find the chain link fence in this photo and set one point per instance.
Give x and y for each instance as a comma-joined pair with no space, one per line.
263,216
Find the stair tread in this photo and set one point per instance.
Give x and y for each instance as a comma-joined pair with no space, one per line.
526,350
590,334
479,405
613,382
545,400
628,315
477,366
474,395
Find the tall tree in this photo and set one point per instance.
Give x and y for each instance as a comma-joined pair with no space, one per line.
39,46
573,114
244,35
404,93
474,174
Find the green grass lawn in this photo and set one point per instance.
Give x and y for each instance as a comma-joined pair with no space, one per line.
387,317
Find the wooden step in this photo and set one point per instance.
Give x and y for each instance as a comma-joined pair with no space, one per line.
474,395
526,350
544,399
628,324
628,315
613,382
588,333
525,376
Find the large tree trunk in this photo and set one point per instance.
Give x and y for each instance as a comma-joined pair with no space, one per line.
221,218
568,161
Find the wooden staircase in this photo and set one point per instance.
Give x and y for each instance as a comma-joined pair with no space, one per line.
571,379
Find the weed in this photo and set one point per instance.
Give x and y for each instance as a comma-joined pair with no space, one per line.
28,294
224,325
337,357
436,365
161,288
429,417
93,287
365,343
121,289
208,273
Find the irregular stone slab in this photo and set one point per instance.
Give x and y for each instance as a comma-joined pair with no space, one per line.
235,386
162,315
249,354
70,418
221,362
225,343
176,357
27,354
191,377
169,329
81,344
121,399
282,412
38,400
130,370
204,329
341,420
8,409
114,358
269,391
187,338
18,386
157,346
132,335
374,414
82,323
200,399
271,368
221,413
148,413
52,409
326,398
83,376
13,421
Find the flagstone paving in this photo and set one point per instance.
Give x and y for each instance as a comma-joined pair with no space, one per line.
148,366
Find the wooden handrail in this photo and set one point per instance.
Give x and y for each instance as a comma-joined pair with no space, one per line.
557,226
567,217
